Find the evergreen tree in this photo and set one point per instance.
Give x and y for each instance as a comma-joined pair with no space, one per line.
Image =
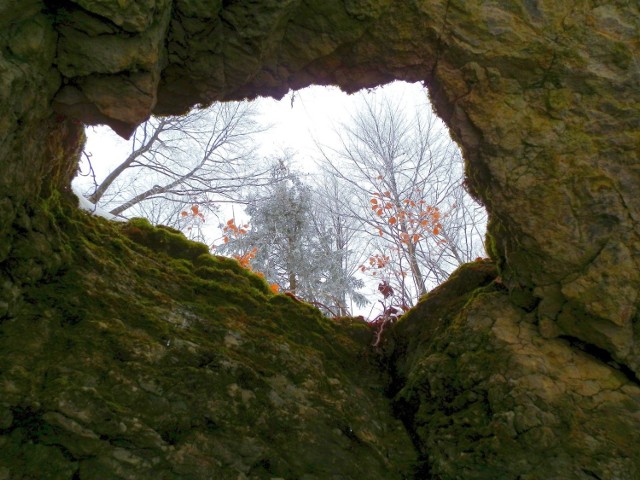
293,243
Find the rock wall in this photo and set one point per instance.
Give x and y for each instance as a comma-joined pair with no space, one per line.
146,357
484,395
543,98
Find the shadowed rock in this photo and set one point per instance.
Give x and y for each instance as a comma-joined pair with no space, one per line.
544,100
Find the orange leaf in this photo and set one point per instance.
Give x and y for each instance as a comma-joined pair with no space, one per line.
225,239
387,194
274,288
194,209
380,211
393,221
415,238
374,201
436,231
183,214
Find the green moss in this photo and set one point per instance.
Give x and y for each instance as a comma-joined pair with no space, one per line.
163,239
494,242
147,344
187,254
422,351
31,460
435,314
620,55
446,299
229,269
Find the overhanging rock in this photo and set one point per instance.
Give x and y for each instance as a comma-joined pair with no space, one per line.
544,99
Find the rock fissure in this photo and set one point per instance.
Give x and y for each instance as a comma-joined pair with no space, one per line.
439,42
603,356
135,335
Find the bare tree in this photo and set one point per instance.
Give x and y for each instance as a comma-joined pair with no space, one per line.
204,158
408,196
339,239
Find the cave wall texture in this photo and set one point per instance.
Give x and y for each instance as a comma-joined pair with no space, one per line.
126,352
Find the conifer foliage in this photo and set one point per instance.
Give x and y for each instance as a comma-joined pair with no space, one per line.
289,242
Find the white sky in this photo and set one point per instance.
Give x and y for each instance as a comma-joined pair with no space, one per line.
297,122
313,116
317,112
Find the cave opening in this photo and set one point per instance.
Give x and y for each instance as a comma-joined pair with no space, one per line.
112,334
377,180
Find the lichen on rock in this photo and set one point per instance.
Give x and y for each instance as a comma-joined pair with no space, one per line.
484,395
128,352
129,363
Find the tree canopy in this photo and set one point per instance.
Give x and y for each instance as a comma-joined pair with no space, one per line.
384,215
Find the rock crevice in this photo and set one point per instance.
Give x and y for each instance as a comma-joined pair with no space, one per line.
543,99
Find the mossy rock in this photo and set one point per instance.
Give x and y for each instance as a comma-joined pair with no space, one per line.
163,239
437,309
148,357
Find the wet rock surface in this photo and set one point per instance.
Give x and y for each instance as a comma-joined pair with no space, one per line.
543,99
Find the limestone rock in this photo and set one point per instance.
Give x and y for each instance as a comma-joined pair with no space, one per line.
544,99
487,397
178,364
